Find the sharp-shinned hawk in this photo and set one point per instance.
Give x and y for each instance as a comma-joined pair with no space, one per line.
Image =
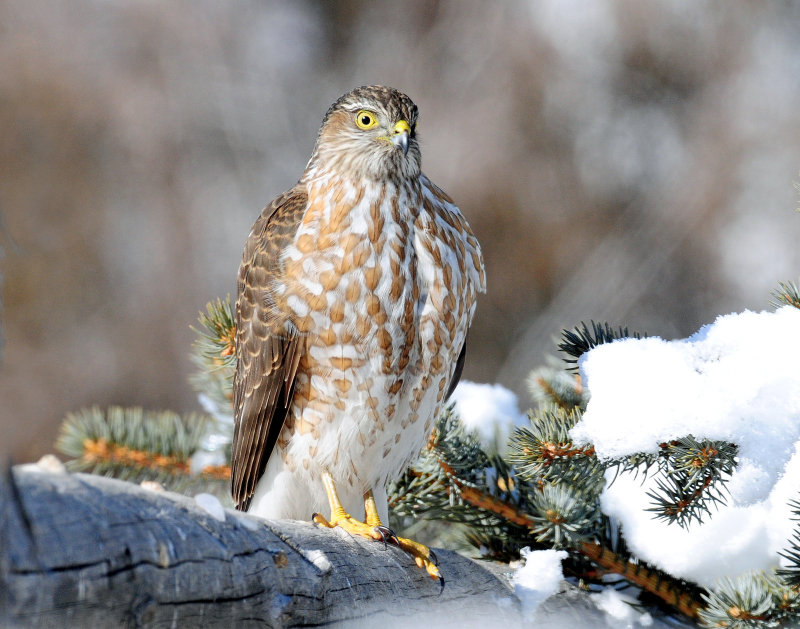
355,293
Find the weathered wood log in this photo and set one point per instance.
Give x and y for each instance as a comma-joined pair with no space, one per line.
78,550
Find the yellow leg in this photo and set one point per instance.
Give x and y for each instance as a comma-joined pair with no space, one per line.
337,510
371,510
342,519
374,529
423,556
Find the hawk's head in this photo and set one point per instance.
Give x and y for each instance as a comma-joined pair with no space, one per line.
370,132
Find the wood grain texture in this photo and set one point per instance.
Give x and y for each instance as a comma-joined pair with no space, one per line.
82,550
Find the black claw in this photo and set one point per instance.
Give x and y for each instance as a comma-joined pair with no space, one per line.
441,583
432,556
386,533
314,517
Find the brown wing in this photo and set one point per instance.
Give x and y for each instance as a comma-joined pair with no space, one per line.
267,354
457,371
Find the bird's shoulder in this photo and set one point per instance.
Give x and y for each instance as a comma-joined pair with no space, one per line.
275,228
257,318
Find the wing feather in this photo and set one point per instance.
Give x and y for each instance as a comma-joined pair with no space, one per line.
457,371
267,352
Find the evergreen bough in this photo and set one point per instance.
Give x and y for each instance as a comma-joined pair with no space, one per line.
544,493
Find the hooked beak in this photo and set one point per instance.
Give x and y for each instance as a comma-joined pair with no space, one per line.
400,135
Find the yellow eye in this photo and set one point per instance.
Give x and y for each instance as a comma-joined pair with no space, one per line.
366,119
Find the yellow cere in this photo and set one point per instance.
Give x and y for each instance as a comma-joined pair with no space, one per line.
402,126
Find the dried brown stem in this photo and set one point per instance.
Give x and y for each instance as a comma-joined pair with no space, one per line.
650,580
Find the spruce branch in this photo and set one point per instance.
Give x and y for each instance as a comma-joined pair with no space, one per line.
454,480
547,493
552,385
217,339
787,294
136,445
676,593
546,450
753,600
580,340
213,352
564,516
506,509
792,571
452,462
693,478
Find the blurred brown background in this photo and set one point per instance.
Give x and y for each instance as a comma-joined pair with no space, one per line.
619,160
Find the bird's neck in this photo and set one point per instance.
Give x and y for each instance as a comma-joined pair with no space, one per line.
346,166
334,177
335,198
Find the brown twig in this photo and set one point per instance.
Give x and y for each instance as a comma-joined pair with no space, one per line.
646,578
97,450
649,579
680,506
101,450
551,452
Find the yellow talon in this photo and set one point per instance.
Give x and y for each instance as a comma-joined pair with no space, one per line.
372,529
423,556
319,519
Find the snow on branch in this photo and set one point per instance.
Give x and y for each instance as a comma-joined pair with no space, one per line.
734,387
